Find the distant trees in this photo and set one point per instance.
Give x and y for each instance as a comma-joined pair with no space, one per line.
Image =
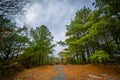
63,55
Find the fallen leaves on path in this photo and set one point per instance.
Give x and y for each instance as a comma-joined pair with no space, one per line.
72,72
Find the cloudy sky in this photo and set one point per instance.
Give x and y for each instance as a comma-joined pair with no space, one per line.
55,14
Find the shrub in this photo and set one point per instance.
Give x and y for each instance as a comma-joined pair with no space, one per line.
99,57
9,70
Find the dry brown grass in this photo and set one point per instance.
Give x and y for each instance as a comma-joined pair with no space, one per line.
73,72
91,72
38,73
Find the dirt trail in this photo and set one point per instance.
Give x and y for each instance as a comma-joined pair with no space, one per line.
61,76
70,72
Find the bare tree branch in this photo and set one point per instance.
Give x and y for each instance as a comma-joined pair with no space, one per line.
13,7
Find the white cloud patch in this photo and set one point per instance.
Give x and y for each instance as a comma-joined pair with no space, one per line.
55,14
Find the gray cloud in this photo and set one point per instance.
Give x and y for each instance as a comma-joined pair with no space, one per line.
55,14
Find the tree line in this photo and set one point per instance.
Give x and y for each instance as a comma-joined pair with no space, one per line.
19,49
93,36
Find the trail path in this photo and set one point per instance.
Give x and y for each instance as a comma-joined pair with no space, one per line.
70,72
61,75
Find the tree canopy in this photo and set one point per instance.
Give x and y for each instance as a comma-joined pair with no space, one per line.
95,33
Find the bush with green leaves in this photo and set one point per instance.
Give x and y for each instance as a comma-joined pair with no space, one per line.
99,57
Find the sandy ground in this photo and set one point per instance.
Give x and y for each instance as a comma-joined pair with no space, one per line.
72,72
